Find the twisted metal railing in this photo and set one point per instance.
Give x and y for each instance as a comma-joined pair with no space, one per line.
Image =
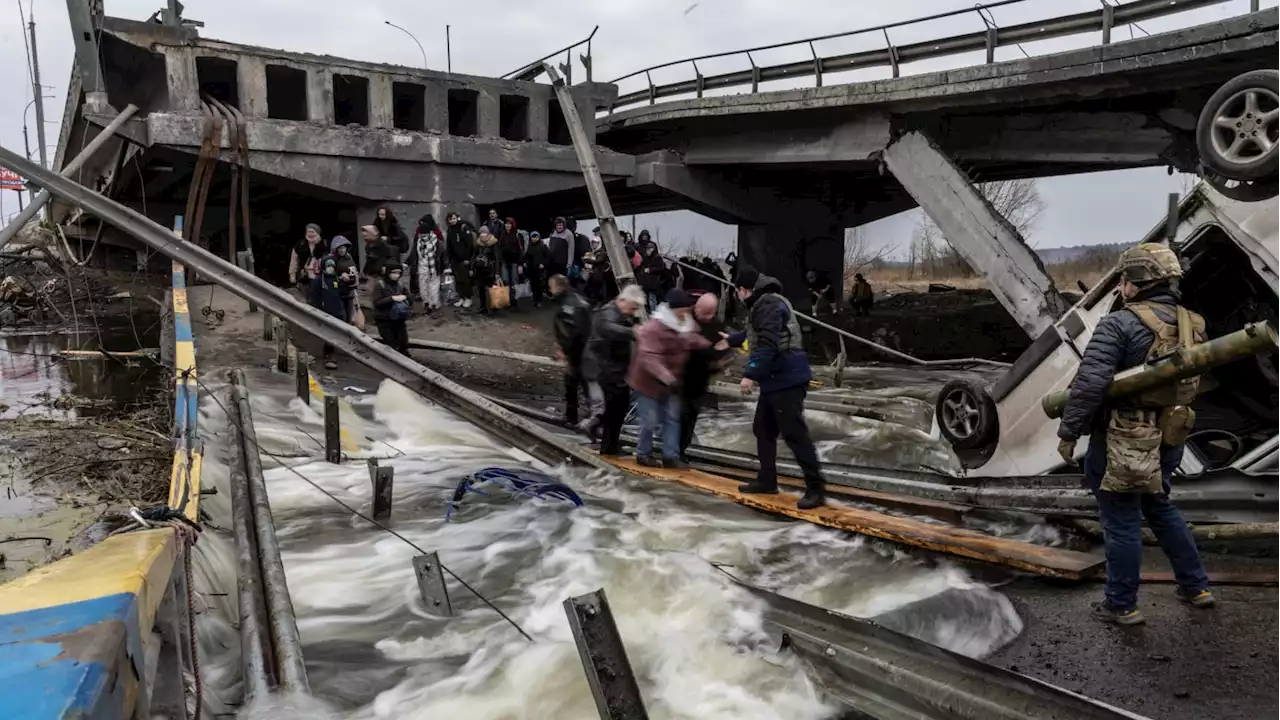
1105,19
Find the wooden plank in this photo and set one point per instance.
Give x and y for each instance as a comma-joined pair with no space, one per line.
1051,562
945,511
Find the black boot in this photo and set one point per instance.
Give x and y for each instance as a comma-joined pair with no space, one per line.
755,487
812,499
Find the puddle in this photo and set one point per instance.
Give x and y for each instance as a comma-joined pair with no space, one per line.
35,381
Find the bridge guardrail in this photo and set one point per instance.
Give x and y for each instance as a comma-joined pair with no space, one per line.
893,56
107,632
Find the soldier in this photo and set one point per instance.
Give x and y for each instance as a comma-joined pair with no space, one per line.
1135,443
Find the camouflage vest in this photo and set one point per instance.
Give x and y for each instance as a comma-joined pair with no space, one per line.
791,338
1169,338
1161,416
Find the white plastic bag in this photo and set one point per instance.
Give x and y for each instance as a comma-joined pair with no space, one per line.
523,290
448,289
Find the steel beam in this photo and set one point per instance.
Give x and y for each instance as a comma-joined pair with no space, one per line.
506,427
880,673
978,232
44,196
613,685
253,613
595,183
290,668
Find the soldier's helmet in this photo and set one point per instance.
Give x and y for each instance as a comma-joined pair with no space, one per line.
1149,262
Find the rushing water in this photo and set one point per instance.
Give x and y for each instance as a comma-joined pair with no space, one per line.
695,640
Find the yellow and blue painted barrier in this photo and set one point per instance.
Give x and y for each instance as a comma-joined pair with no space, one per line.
76,635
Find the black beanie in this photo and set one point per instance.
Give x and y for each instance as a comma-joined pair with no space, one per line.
746,277
677,299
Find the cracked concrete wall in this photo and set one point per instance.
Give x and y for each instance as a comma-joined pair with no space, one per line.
251,78
181,78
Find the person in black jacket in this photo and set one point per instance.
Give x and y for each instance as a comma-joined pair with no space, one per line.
572,326
511,248
391,308
348,280
605,364
581,246
701,367
460,245
535,266
389,229
1136,442
560,246
326,295
484,266
652,273
378,253
777,366
494,222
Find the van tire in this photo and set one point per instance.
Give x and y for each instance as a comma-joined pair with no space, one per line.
966,415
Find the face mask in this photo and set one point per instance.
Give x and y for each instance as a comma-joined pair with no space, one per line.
330,270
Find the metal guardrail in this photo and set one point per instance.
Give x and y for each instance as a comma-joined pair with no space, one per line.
1103,20
536,68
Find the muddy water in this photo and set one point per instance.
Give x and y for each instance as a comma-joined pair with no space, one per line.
695,640
34,381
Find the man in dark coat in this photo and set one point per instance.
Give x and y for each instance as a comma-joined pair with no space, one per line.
777,366
560,246
535,266
1136,443
572,325
326,295
605,364
378,252
702,366
460,246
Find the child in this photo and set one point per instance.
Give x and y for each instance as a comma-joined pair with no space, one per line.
432,262
391,308
326,295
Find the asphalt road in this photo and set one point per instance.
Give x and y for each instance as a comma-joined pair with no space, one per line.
1184,663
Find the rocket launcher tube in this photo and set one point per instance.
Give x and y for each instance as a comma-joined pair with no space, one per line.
1253,339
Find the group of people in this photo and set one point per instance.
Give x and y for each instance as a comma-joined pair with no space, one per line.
668,363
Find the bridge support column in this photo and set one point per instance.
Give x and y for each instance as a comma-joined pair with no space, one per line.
789,247
983,237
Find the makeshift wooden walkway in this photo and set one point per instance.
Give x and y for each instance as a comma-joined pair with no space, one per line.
1047,561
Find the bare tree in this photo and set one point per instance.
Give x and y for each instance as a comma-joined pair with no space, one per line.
1018,201
858,253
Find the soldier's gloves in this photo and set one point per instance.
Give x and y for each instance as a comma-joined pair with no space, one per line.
1067,449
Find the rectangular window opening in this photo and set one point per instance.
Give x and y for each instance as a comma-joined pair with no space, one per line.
513,117
217,78
409,106
464,112
350,100
286,93
557,127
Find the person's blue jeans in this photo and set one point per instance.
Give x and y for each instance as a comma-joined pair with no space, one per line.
1122,514
654,299
652,412
510,273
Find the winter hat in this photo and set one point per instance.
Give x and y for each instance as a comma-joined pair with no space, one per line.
330,263
534,234
746,277
313,226
677,299
392,267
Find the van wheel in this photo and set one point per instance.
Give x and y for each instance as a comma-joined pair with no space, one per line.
966,415
1236,134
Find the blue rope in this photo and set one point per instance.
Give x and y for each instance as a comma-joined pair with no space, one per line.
520,482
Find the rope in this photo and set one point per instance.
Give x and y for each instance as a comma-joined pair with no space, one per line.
258,447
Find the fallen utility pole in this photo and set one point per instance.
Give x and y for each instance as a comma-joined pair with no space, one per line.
505,426
595,183
37,202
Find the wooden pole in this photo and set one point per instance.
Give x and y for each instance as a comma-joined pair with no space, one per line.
332,430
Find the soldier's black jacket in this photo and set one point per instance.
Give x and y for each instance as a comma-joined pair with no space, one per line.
1120,341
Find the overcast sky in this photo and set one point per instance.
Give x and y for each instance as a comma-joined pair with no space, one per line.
493,37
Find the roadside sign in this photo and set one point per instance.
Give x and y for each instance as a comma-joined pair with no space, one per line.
9,180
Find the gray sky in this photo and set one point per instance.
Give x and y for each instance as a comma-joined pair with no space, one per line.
492,37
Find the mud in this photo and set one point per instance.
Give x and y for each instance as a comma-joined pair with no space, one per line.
930,326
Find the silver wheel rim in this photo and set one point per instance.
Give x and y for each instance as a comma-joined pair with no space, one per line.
1245,126
960,414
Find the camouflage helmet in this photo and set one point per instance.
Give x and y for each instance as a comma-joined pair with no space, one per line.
1149,262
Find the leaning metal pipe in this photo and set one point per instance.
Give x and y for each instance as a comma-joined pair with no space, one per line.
280,618
253,617
508,428
43,197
